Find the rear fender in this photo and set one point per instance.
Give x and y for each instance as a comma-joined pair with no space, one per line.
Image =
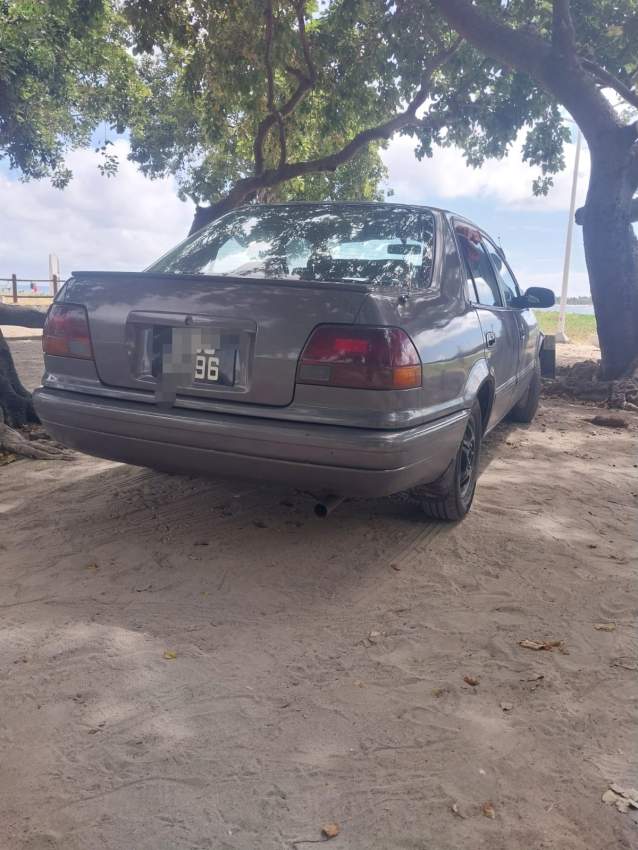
479,376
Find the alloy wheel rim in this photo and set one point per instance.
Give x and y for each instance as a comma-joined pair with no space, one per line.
467,460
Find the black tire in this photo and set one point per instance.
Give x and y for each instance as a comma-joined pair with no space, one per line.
525,408
451,497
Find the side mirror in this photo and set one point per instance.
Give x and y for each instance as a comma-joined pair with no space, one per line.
535,296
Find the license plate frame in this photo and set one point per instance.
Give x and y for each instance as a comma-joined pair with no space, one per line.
201,358
214,367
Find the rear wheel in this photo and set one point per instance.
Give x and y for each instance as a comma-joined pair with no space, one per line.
451,498
525,408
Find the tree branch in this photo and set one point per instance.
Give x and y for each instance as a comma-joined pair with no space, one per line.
382,131
569,83
579,216
633,167
270,30
23,317
303,38
513,47
610,81
244,188
274,115
563,32
304,83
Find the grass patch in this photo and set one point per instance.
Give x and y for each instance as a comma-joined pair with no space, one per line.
578,326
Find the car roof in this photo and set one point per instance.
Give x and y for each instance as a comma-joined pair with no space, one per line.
354,204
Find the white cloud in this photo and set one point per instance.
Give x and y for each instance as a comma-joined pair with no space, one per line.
507,181
123,222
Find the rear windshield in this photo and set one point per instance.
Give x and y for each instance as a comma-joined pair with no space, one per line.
380,245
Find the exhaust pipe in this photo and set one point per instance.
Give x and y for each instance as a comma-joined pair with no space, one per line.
326,506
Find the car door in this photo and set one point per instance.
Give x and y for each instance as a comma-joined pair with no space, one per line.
526,320
498,322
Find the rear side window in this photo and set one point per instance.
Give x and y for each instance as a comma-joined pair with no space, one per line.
481,279
382,245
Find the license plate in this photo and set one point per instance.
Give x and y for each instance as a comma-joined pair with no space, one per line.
207,365
200,357
215,366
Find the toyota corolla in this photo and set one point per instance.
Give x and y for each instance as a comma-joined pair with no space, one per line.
346,349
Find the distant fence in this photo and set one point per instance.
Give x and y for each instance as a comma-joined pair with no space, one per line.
12,292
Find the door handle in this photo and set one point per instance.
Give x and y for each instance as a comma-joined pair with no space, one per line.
523,332
490,339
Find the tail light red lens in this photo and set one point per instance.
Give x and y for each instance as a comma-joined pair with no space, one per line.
360,357
66,332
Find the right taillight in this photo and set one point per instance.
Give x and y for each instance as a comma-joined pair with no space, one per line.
66,332
360,357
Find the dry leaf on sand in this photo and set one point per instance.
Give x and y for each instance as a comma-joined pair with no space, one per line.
488,810
330,830
170,655
471,680
605,627
507,706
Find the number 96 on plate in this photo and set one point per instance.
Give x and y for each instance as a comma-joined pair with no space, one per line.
207,365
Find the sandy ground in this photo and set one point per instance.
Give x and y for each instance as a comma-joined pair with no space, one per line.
190,664
17,333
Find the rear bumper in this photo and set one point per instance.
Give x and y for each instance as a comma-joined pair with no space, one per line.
349,461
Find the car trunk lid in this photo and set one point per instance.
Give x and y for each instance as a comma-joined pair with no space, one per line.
208,337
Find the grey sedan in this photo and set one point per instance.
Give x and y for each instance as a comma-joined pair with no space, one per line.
346,349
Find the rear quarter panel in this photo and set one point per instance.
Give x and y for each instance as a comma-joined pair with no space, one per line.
445,330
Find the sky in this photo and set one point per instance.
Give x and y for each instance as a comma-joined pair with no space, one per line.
127,221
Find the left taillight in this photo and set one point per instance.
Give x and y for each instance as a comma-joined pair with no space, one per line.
66,332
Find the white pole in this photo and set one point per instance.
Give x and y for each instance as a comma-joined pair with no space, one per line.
54,266
561,336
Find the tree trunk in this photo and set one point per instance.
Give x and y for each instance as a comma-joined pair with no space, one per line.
611,252
204,215
16,408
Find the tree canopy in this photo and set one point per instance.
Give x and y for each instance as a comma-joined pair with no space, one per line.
64,68
217,92
243,91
